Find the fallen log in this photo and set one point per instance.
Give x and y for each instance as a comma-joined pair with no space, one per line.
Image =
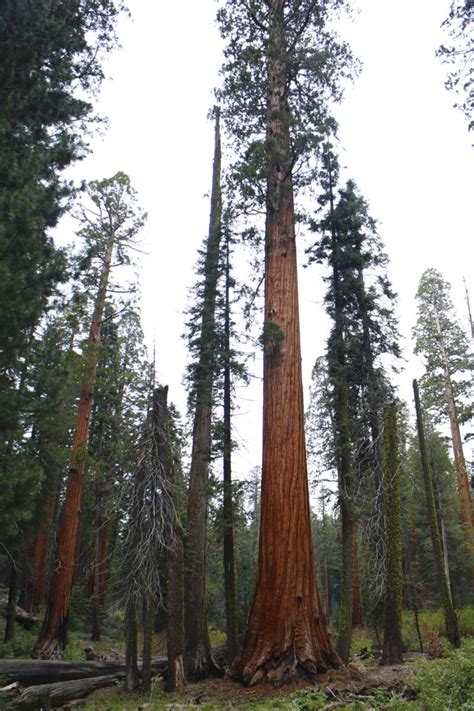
51,696
22,616
46,671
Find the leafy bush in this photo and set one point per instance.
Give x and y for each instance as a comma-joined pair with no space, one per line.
447,684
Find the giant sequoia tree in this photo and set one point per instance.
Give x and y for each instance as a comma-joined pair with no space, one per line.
281,64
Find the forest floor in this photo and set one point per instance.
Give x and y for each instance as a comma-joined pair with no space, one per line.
441,679
419,684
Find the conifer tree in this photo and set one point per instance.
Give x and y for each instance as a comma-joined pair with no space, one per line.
110,224
392,638
282,63
50,65
363,328
447,381
199,661
451,622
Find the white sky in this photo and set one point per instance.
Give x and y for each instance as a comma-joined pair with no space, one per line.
406,147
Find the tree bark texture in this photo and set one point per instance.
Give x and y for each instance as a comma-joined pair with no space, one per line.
131,646
45,671
286,635
392,639
175,678
451,622
198,658
37,587
51,696
102,534
54,630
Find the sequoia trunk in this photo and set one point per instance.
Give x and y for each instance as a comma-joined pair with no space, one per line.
286,634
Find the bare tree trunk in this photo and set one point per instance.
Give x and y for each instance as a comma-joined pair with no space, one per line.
147,627
442,527
131,646
198,660
175,678
286,635
102,534
392,638
464,490
37,586
450,617
54,630
228,505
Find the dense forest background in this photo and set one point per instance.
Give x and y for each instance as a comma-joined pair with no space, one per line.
142,322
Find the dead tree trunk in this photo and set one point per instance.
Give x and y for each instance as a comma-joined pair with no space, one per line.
198,658
54,630
392,638
286,635
175,678
450,617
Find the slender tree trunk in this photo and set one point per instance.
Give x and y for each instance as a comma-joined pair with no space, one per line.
392,638
228,505
464,490
450,617
198,660
11,604
175,678
286,635
356,601
442,527
413,597
37,586
326,588
147,626
102,534
131,646
54,630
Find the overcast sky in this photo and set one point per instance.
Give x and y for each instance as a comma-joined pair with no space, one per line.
404,144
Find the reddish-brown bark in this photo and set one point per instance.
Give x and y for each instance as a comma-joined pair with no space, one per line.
37,586
54,630
286,635
100,570
464,490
